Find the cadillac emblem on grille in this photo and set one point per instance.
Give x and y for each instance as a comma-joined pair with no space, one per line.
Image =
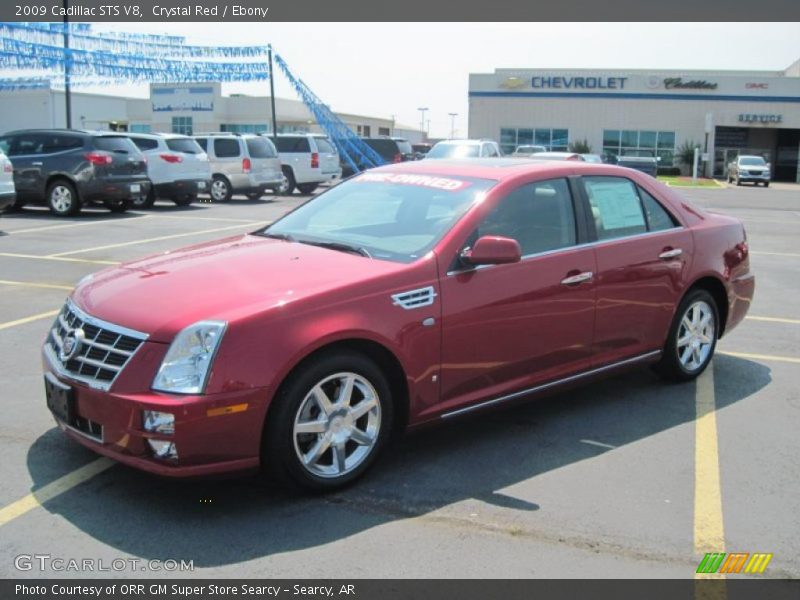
71,344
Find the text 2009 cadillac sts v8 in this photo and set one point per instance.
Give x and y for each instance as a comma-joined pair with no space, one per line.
408,294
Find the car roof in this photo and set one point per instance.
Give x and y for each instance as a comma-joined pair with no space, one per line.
502,168
158,135
93,132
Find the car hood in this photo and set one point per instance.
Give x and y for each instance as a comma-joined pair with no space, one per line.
226,279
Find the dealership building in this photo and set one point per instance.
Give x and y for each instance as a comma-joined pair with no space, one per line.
177,108
726,113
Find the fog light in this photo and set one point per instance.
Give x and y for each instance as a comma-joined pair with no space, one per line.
159,422
163,449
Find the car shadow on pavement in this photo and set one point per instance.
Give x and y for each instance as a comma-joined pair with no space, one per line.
221,522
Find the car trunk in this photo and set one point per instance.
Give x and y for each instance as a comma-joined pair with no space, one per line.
194,161
126,160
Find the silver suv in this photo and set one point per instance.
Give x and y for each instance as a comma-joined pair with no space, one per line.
308,159
241,164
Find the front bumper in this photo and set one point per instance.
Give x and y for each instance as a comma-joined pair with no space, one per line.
211,436
753,177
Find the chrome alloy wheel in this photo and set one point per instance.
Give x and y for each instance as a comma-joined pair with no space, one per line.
219,190
61,198
696,335
283,186
337,425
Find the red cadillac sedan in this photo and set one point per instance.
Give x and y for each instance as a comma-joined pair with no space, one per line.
406,295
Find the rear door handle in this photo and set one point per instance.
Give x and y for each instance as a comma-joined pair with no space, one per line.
579,278
667,254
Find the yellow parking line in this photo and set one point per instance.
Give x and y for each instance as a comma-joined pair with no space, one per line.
774,320
44,315
709,532
68,225
148,240
53,489
61,258
767,357
53,286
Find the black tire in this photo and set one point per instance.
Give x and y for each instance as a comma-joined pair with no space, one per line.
221,190
118,206
142,202
185,200
255,196
307,188
279,449
291,183
62,198
670,366
766,184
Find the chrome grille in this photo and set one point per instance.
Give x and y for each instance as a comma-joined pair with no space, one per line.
103,349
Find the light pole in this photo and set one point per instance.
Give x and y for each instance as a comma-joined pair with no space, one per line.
422,110
452,124
67,67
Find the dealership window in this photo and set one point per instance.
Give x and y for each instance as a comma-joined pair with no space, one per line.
384,131
555,140
182,125
244,127
139,128
616,141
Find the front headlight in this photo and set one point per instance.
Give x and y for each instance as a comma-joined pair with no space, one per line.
185,368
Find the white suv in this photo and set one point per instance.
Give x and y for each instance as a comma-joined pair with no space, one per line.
464,149
8,194
176,165
241,164
308,159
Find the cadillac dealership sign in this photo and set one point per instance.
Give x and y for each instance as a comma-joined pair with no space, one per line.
672,83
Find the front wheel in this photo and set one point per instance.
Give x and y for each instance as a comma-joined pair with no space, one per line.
62,199
329,422
255,195
140,202
185,200
692,338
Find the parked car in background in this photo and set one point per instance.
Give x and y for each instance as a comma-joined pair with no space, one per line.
177,166
408,295
749,169
641,160
557,156
8,194
241,164
420,150
528,150
592,158
67,168
391,150
465,149
307,160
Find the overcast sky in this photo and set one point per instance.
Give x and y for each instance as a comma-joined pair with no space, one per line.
385,69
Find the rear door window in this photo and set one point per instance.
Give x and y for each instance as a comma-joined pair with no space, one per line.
226,148
615,206
185,145
260,147
658,218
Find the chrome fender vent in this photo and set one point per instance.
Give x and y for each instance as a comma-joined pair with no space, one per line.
415,298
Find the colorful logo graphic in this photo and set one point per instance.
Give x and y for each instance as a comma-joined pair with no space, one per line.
734,562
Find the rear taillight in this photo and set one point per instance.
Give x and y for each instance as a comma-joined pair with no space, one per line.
314,160
172,158
397,158
246,165
98,158
7,167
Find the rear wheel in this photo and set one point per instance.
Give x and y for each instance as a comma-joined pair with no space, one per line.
307,188
221,190
62,198
692,337
329,422
289,185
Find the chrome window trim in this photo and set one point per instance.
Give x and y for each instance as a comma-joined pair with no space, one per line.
544,386
575,247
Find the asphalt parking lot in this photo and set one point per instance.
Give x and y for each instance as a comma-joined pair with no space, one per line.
628,478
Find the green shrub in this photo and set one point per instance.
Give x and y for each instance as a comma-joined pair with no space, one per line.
580,147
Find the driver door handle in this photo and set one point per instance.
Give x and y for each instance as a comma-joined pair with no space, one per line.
673,253
579,278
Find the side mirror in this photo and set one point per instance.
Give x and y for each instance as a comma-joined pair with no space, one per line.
492,250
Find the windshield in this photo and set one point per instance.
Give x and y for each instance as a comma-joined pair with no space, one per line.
753,161
454,151
389,216
404,147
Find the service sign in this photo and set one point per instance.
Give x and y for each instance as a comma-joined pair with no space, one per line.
754,118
